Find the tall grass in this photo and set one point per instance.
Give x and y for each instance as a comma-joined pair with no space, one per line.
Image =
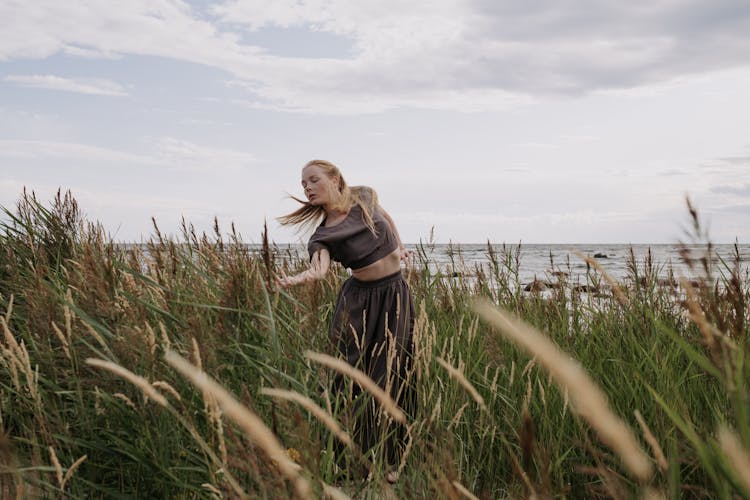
612,389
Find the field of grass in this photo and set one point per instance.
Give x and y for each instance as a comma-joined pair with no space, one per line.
173,370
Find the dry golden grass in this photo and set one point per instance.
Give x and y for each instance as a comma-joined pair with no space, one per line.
589,401
62,338
333,493
696,314
160,384
459,376
462,489
71,470
57,466
314,409
253,426
661,460
386,403
609,279
95,334
738,455
125,399
136,380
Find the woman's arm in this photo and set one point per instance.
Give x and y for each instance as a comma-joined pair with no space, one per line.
319,266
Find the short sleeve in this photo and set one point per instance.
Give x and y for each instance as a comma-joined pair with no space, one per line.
314,245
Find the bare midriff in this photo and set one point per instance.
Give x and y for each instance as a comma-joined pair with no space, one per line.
386,266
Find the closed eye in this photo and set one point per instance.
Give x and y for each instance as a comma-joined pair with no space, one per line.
313,180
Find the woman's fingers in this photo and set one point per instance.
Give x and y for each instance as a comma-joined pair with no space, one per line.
283,280
405,254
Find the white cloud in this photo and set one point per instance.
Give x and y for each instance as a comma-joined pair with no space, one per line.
444,54
94,86
40,150
168,152
187,156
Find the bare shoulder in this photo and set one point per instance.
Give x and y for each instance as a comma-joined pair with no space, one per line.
366,194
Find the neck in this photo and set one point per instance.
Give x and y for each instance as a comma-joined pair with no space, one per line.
333,212
333,207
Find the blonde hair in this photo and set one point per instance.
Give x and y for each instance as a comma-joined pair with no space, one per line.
309,215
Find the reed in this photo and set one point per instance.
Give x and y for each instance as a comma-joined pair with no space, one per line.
488,417
464,492
253,425
138,381
459,376
314,410
386,403
661,460
590,402
739,457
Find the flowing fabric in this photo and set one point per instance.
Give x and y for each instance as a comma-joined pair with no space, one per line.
372,329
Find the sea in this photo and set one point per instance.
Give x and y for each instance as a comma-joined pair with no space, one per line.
545,261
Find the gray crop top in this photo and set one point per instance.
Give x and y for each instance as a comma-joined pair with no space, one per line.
351,242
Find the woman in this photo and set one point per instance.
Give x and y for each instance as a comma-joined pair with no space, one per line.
373,319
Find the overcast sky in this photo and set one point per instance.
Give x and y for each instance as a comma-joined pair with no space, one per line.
561,121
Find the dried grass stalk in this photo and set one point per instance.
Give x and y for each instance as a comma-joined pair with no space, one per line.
698,317
454,422
164,337
462,489
213,489
197,354
56,464
314,409
738,455
126,399
131,377
160,384
72,470
95,334
407,449
9,338
619,294
589,400
9,309
62,339
255,428
459,376
652,494
388,405
651,440
151,339
333,493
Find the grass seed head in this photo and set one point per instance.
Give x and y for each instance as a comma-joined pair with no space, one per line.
138,381
459,376
314,409
253,426
739,456
386,403
590,402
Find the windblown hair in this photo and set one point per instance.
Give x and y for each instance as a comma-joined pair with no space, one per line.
309,215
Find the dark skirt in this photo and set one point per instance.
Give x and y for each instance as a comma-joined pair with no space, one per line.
372,329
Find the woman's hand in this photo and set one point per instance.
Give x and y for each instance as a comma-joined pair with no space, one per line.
405,254
283,281
319,265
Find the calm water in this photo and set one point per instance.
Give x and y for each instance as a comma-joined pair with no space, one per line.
541,260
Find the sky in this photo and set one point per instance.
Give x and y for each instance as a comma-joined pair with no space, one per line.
540,121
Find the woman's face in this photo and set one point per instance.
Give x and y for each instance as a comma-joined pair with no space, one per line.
317,185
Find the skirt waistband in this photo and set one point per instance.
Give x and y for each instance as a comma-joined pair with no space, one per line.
385,280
